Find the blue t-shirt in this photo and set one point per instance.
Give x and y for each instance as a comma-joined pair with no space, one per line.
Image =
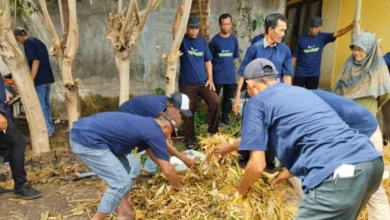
304,133
36,50
354,115
145,106
224,50
257,38
279,55
309,53
387,60
192,63
121,133
3,104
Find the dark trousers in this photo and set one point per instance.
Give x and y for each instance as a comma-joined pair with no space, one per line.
228,94
212,101
306,82
14,142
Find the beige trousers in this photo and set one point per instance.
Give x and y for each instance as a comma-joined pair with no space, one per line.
378,205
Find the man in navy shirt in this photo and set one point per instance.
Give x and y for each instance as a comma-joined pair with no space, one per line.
13,142
308,53
193,80
386,57
152,106
271,48
224,49
41,73
311,141
102,140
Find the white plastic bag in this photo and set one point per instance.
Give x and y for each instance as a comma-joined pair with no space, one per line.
192,154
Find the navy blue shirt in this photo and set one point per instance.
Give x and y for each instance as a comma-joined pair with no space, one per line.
36,50
3,104
192,63
257,38
121,133
146,105
387,60
279,55
354,115
304,133
309,52
224,50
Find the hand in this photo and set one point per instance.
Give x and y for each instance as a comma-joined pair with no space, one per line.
176,188
223,149
3,123
243,192
188,162
276,179
353,24
211,84
236,107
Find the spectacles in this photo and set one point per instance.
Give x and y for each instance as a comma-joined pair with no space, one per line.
172,123
357,50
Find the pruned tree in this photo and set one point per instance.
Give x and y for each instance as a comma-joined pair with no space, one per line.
172,58
65,48
13,57
123,32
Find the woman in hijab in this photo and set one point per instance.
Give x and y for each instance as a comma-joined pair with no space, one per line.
365,79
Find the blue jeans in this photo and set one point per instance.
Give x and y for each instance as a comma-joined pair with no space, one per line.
113,169
135,164
43,92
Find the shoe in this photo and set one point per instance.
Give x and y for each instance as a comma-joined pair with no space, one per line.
190,144
6,161
225,120
27,192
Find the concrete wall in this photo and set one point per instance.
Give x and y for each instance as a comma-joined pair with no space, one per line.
95,65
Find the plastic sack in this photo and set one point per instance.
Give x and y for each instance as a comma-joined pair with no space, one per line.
192,154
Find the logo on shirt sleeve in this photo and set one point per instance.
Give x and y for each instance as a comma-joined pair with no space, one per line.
195,52
225,53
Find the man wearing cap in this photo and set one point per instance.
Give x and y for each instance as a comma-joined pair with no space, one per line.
224,49
41,73
102,140
271,48
311,141
307,55
196,78
152,106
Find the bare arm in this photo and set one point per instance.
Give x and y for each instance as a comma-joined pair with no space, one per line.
209,70
253,171
345,30
287,79
237,98
34,69
285,174
294,60
227,147
173,151
168,170
176,23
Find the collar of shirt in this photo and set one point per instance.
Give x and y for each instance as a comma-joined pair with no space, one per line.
266,44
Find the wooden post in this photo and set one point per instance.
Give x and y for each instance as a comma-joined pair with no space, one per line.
356,31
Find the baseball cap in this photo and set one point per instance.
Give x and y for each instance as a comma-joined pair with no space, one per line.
19,31
182,102
315,21
260,68
193,21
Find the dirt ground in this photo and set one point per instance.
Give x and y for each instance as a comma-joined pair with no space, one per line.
62,197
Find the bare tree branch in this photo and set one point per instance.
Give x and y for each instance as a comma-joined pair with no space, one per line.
56,42
136,12
120,6
126,24
163,55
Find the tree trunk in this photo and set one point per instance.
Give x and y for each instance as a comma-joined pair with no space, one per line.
14,59
356,31
123,66
172,58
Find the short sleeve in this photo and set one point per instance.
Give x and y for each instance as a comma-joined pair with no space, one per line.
254,131
211,47
287,67
249,56
29,48
158,146
207,53
327,38
236,49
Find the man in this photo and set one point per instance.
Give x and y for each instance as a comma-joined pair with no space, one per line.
224,49
308,53
271,48
102,140
12,142
311,141
41,73
387,60
193,81
257,39
152,106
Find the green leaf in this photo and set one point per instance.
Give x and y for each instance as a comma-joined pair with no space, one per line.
254,25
